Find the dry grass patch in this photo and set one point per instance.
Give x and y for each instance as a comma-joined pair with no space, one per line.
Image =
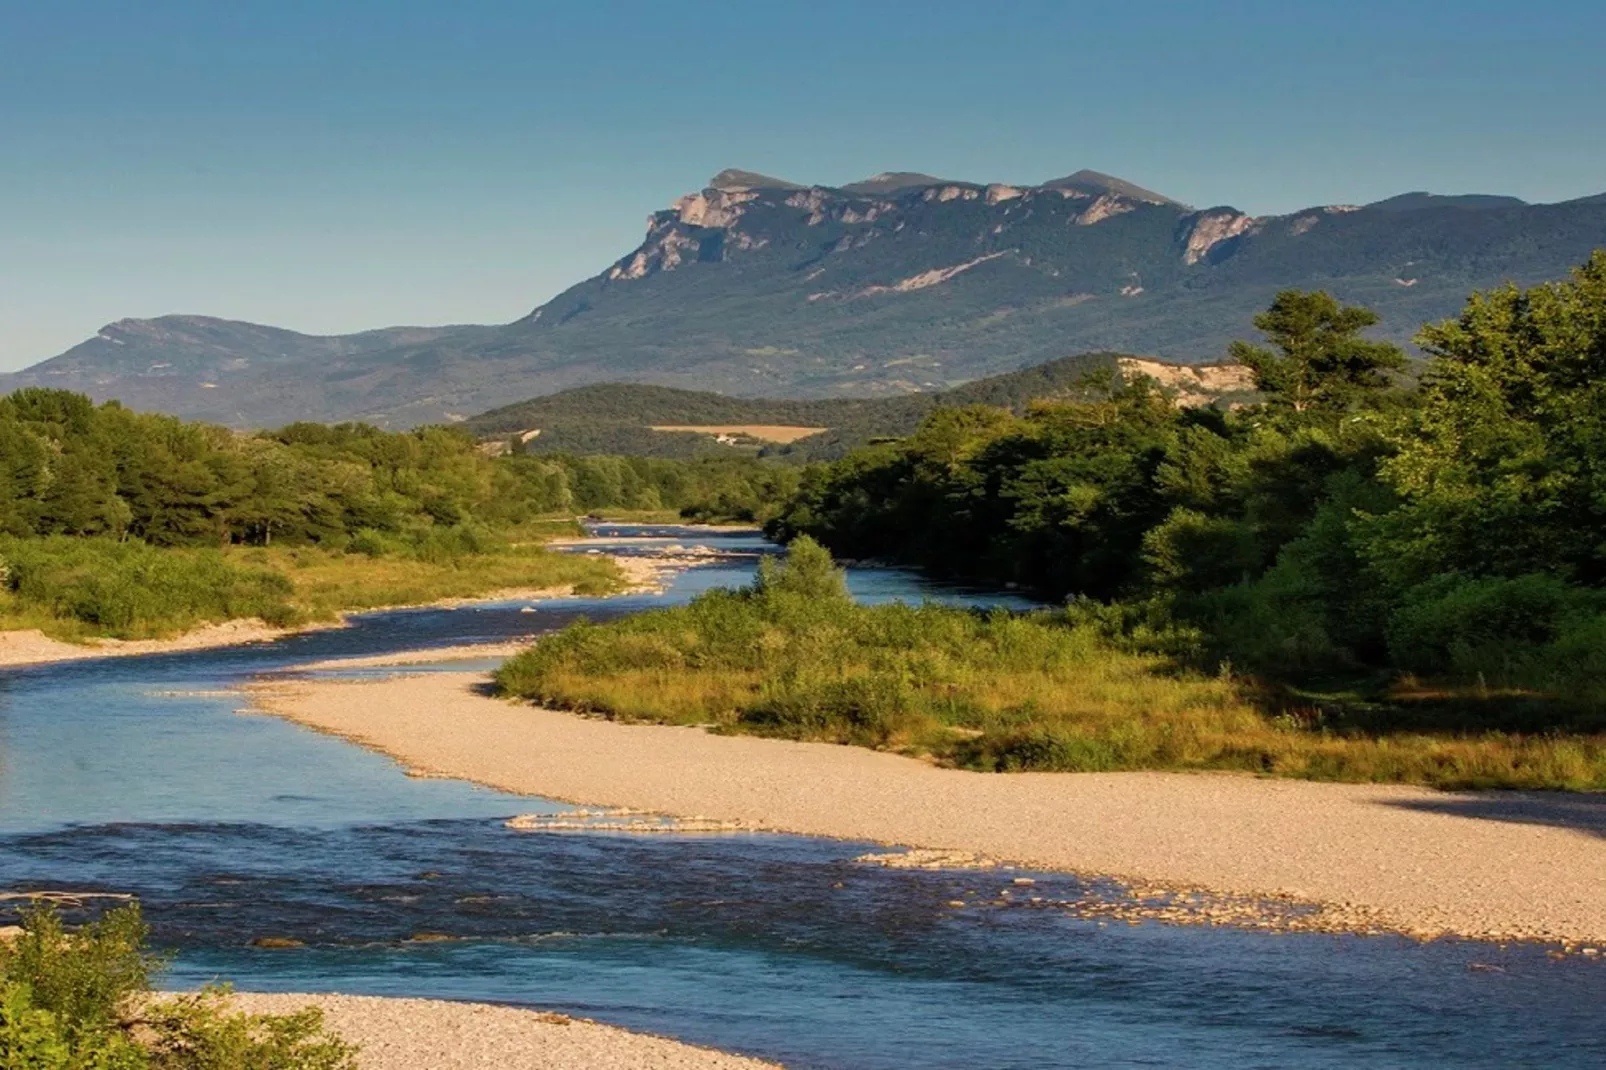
779,433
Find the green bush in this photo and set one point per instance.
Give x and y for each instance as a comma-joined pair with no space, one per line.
806,572
33,1038
372,543
1535,630
81,1000
132,590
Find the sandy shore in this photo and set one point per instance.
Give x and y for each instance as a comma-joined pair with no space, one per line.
1496,865
33,647
426,1034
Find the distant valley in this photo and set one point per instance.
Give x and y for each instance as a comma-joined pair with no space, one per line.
902,283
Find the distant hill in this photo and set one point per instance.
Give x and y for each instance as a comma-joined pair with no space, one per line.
1098,184
1415,202
903,282
621,417
247,375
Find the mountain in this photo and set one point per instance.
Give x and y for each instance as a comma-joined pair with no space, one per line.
1414,202
245,374
1098,184
735,178
661,421
757,286
892,182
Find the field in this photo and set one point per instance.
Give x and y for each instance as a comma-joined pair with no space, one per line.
780,433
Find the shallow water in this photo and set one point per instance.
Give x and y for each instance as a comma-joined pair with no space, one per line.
138,775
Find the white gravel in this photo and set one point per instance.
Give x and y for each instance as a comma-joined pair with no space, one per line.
429,1034
1479,864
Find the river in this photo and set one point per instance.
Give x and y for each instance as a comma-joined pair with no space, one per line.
146,775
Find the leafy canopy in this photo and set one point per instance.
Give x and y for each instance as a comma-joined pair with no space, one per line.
1317,359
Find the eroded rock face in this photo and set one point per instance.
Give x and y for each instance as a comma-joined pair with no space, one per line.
719,223
944,194
1105,207
665,249
713,207
1210,229
1191,385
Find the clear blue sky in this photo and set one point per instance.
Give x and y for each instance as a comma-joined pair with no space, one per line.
332,166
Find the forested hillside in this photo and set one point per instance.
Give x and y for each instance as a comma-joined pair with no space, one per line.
122,523
621,418
1345,525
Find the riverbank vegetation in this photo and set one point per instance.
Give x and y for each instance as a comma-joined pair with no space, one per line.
69,467
794,656
1367,575
82,1000
1353,526
130,525
77,589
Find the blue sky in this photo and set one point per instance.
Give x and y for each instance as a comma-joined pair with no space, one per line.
335,166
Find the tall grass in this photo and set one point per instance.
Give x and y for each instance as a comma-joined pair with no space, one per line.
793,656
76,588
80,587
324,583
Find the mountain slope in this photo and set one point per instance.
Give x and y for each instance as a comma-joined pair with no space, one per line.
240,374
761,287
629,418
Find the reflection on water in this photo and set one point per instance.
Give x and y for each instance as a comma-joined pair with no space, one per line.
139,775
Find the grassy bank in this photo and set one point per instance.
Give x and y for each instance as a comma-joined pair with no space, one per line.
82,588
793,656
324,584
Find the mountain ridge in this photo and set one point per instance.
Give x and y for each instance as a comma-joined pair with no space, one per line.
911,284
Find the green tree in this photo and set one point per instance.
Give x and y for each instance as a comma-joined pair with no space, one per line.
1502,467
1317,359
807,572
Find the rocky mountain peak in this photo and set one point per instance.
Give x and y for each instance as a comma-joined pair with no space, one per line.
1099,184
733,178
893,182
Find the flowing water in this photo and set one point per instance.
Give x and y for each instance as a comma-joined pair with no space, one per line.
145,775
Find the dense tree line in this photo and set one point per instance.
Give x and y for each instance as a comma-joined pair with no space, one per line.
1350,519
70,467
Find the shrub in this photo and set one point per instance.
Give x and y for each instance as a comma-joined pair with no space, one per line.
372,543
806,572
82,1001
132,590
1499,627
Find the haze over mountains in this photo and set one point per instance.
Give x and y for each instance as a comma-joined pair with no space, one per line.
762,287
